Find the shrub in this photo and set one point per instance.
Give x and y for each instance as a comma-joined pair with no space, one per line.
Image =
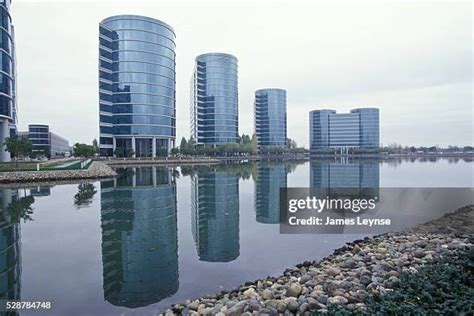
440,288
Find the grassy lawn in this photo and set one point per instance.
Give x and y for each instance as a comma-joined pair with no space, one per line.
12,166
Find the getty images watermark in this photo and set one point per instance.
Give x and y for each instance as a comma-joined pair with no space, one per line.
327,204
365,210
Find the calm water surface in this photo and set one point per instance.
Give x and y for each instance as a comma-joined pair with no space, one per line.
156,236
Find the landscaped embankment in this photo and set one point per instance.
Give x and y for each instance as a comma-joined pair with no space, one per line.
388,274
96,170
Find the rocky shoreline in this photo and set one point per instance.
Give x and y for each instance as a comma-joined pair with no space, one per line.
97,170
370,266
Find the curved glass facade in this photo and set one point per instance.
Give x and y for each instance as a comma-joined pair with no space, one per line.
45,143
137,86
369,127
319,128
8,117
267,192
39,137
215,215
139,237
10,248
270,117
214,100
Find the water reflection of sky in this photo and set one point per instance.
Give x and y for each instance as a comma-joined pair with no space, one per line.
156,236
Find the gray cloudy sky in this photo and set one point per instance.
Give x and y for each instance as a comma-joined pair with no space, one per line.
412,60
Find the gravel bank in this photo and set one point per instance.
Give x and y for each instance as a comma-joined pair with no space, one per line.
363,267
97,170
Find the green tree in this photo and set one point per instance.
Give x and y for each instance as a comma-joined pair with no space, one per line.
183,146
191,143
95,144
162,151
291,143
84,150
118,152
254,144
174,150
189,146
18,147
245,139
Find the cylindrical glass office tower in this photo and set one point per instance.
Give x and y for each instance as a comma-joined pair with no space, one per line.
369,127
8,118
270,117
214,100
137,86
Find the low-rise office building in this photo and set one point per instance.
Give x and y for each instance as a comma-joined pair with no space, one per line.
45,142
357,129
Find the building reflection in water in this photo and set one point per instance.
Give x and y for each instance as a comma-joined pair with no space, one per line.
139,237
10,247
267,192
344,179
215,215
40,191
362,177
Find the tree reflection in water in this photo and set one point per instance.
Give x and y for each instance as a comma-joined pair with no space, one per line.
85,194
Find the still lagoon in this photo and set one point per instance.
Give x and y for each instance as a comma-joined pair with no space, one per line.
155,236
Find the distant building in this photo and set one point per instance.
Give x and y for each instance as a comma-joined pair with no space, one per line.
214,108
357,129
137,86
8,105
270,117
46,142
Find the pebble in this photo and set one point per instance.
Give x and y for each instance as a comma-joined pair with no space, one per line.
294,290
365,267
333,271
337,300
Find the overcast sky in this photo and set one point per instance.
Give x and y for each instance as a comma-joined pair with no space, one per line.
412,60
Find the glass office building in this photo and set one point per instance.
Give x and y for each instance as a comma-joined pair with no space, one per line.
369,127
319,128
214,110
46,143
270,117
344,130
357,129
137,86
8,111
